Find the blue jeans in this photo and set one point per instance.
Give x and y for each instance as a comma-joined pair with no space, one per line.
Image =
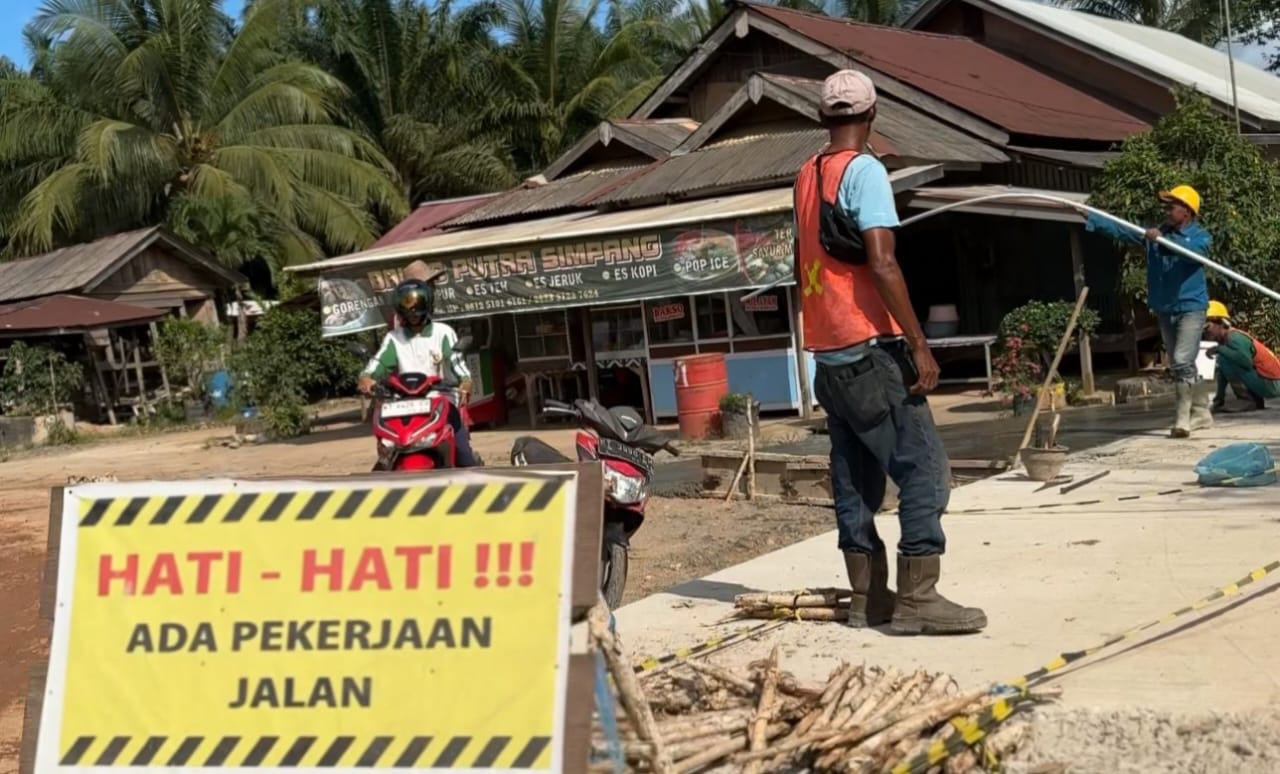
877,427
1181,333
462,439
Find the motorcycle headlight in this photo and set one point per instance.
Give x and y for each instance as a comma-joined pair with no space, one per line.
623,489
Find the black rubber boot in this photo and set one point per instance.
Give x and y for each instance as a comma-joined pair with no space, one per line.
872,603
921,609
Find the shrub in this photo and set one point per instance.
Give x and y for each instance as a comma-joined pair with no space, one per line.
190,352
1040,325
38,380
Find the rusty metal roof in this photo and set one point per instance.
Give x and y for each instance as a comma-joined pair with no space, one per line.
566,193
428,216
81,267
54,315
963,72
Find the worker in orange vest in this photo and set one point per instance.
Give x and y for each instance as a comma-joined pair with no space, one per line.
874,369
1241,359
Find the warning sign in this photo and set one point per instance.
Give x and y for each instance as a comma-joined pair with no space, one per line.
418,622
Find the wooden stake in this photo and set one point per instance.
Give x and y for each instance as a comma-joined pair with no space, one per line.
629,690
1053,371
751,449
733,487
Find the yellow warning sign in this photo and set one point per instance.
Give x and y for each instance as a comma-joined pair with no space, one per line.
416,622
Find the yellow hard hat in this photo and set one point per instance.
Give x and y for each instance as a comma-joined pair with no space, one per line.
1183,194
1217,310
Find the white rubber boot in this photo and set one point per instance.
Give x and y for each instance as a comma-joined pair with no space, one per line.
1182,419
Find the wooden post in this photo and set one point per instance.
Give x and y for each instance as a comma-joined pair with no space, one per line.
108,402
802,366
589,353
1086,348
1053,371
137,367
164,376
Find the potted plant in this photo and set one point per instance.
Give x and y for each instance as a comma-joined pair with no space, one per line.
1020,374
739,416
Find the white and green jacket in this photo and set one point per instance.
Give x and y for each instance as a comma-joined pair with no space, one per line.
429,351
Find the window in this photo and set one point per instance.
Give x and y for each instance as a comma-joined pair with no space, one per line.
542,334
670,320
617,329
713,321
764,315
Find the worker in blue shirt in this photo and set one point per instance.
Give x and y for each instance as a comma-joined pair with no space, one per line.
1178,295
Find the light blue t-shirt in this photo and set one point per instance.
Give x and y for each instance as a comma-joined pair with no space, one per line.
866,196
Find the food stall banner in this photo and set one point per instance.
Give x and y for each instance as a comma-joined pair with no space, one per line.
600,269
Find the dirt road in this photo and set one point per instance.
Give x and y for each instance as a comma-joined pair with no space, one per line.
680,540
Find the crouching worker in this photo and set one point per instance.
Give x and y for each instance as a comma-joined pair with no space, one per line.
423,346
1241,359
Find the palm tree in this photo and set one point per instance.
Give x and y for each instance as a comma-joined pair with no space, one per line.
870,11
415,74
1199,20
559,74
146,110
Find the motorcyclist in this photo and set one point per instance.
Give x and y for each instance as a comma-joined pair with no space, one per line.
424,346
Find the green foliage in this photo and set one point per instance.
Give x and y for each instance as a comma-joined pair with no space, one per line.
190,351
38,380
1239,190
1039,325
155,110
284,364
735,403
60,434
1199,21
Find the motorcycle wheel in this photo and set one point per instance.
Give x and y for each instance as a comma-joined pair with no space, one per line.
613,573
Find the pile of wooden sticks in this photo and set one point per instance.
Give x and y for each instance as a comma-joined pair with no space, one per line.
826,604
698,717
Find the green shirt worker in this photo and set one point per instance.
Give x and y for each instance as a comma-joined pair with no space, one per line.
1241,359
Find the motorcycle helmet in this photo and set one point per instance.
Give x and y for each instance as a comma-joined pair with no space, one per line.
415,301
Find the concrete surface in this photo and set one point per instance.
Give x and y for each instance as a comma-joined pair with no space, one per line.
1052,580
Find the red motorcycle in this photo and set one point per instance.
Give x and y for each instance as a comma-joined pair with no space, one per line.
619,438
412,423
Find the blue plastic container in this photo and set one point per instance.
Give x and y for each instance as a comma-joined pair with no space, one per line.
1239,464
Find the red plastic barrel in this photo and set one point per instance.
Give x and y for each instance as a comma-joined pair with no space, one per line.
701,381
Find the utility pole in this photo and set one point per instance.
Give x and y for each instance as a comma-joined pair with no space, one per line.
1231,63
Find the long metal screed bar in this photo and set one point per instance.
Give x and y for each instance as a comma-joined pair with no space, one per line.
1179,249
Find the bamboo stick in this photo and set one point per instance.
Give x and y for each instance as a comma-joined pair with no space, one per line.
764,710
751,451
744,687
800,613
633,698
733,487
723,750
800,598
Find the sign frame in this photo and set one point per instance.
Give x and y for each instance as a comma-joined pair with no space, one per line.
583,591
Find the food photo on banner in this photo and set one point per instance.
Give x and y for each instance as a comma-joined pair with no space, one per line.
598,269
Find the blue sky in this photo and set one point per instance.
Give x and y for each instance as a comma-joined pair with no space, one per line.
17,12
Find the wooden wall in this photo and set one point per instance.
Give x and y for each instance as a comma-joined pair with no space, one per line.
159,279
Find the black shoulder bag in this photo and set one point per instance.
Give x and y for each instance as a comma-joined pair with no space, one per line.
839,236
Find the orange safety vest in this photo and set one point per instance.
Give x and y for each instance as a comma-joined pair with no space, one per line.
1265,361
840,302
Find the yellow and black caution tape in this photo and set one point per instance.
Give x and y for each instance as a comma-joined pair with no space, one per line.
970,733
1101,500
707,646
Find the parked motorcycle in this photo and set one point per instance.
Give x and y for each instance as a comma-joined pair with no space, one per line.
412,423
619,438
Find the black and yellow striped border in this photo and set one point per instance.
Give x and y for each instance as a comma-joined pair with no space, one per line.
704,647
365,501
503,752
967,734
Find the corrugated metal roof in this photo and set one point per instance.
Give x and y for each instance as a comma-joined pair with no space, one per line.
75,268
1088,159
70,314
428,216
666,133
911,133
1162,53
967,74
578,225
565,193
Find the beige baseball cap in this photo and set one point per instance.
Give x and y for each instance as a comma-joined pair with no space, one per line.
847,93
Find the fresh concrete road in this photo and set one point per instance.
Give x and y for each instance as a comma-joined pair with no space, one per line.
1052,581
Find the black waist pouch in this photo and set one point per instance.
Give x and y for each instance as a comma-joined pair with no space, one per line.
839,235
